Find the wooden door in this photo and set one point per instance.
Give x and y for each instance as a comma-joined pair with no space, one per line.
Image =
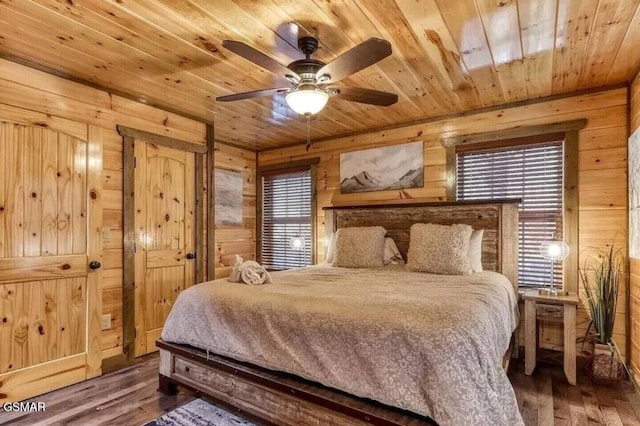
50,229
164,204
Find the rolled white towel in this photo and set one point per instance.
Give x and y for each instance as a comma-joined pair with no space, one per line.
254,274
235,277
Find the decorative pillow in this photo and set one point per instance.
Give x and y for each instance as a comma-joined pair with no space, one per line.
475,250
359,247
331,248
392,255
440,249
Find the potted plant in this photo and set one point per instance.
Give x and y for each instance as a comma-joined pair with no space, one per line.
601,278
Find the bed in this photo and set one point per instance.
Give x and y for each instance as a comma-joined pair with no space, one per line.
326,345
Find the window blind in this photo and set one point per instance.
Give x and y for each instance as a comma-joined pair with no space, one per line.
286,219
533,173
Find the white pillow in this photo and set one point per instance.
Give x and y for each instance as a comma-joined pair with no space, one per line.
475,250
331,248
392,255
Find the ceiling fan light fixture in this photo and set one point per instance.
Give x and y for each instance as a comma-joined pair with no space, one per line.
307,101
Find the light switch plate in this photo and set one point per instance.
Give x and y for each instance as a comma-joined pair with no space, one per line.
105,322
106,234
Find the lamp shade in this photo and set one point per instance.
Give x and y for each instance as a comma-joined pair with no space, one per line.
554,250
307,101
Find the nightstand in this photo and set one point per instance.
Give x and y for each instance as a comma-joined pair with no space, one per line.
559,309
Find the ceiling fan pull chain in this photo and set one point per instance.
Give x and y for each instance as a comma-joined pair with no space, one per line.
308,131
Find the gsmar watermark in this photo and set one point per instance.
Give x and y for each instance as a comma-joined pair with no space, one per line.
23,406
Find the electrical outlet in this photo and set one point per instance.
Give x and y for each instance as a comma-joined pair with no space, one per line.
105,323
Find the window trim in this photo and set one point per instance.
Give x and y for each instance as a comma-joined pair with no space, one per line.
567,130
310,164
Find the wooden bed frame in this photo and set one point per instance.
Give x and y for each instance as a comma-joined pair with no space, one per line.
284,399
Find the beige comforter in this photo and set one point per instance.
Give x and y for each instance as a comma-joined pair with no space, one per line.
431,344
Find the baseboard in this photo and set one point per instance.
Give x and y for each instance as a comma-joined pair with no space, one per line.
114,363
633,381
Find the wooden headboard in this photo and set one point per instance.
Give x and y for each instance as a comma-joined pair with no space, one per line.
499,219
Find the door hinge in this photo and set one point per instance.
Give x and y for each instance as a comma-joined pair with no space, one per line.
135,248
135,332
135,162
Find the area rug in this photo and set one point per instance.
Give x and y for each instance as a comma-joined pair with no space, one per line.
199,413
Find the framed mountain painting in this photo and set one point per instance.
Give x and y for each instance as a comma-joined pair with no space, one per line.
228,197
379,169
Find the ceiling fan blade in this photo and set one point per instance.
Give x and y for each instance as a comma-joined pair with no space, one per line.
248,95
259,58
366,96
358,58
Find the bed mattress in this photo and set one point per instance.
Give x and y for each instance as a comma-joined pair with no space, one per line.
430,344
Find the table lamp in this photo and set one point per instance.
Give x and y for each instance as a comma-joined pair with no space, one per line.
553,250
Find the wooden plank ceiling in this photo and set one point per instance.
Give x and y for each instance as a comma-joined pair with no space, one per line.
448,56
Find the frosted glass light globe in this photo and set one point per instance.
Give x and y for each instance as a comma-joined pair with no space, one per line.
554,250
307,101
296,243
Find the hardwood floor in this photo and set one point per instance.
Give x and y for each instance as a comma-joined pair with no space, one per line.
126,397
545,398
129,397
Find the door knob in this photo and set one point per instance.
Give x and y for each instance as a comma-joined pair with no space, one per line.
191,256
94,264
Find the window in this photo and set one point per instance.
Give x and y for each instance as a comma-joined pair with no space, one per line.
532,172
287,219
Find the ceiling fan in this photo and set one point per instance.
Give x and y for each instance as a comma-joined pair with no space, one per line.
311,80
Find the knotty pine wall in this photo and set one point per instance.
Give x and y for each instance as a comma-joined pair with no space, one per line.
634,279
241,240
602,170
30,96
